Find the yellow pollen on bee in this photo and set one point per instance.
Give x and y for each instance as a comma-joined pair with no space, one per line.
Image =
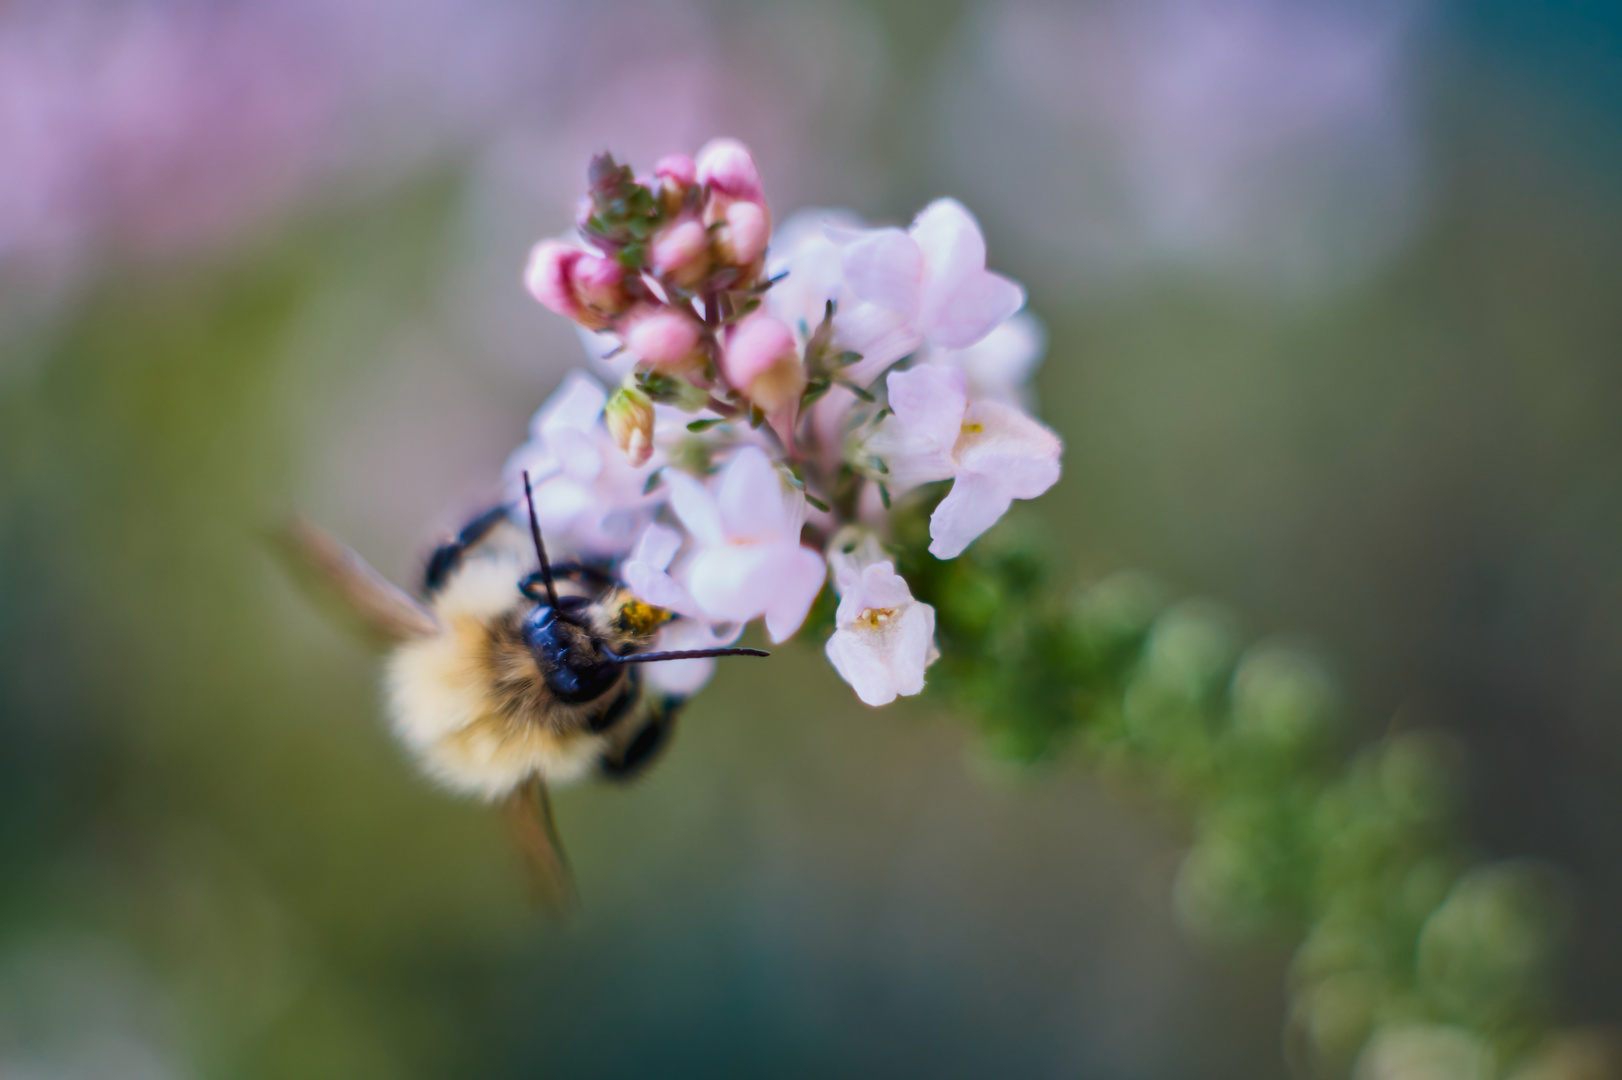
642,618
875,617
973,428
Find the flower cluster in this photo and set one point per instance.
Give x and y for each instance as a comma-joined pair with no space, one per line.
776,394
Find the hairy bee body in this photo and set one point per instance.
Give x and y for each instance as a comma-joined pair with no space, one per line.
472,700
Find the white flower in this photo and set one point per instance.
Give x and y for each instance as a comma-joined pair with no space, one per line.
1000,365
992,452
749,561
588,498
812,265
646,572
884,638
928,284
684,678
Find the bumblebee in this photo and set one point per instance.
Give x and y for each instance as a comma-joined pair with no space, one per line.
511,674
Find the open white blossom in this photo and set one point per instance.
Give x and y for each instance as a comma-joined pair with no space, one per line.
589,499
927,284
884,639
749,560
992,452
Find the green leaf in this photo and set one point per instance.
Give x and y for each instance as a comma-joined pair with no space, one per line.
884,496
653,481
704,425
816,502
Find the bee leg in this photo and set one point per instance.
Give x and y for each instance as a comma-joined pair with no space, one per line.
448,556
643,748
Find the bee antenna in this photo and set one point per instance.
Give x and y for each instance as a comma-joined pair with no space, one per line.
681,654
540,547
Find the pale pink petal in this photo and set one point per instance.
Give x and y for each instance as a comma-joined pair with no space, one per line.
1000,366
974,505
885,267
882,587
754,505
799,577
951,242
882,662
696,507
658,588
929,398
682,678
657,546
969,312
735,583
574,406
881,335
1003,442
916,443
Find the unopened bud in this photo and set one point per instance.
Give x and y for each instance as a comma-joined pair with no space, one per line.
665,339
629,414
742,238
763,360
680,253
725,167
586,287
674,175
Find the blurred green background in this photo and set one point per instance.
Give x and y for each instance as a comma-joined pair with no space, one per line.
1333,299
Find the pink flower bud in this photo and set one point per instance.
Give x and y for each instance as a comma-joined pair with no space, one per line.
743,238
629,415
547,276
763,360
679,253
676,169
725,167
665,339
588,288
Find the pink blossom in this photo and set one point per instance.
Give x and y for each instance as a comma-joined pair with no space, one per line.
993,452
763,360
928,284
582,285
743,238
726,167
589,499
666,339
884,639
646,572
749,561
678,252
676,168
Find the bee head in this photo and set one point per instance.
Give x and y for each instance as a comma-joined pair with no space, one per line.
575,660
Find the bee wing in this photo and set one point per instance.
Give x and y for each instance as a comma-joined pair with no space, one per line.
386,609
529,810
